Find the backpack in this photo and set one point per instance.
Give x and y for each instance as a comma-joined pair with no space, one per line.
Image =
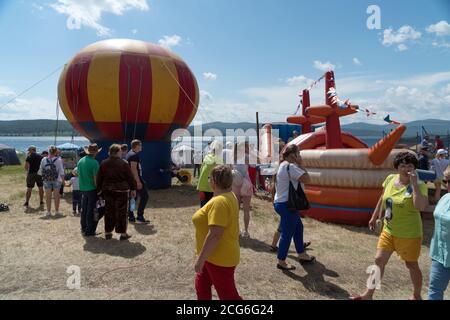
50,172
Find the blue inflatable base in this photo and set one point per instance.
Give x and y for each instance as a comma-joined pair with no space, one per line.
155,162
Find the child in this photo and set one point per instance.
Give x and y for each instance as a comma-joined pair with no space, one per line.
76,193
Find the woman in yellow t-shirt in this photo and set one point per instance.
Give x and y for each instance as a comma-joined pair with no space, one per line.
404,196
217,239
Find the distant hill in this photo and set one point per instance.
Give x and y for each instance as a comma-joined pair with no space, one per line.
432,126
47,128
35,128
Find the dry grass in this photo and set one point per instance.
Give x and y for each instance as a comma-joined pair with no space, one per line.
158,262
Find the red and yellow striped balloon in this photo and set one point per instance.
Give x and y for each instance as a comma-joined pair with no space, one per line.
117,90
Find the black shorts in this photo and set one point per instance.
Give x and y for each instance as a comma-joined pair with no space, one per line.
34,179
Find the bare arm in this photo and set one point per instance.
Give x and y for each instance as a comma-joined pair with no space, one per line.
420,201
27,166
212,239
305,178
377,213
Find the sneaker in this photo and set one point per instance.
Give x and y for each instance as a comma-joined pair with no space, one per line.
132,219
142,220
48,215
108,236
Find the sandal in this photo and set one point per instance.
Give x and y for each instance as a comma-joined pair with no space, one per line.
306,244
310,260
285,268
273,249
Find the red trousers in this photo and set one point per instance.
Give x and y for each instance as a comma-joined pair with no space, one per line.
221,278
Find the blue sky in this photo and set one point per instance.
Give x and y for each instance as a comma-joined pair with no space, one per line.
248,56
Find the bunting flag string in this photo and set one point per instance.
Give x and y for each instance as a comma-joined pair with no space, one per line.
343,104
346,104
315,83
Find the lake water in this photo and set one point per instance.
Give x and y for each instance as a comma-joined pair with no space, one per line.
42,143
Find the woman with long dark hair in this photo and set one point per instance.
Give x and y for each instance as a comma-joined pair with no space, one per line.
291,170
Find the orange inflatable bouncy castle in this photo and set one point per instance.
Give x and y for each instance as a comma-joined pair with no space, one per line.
346,175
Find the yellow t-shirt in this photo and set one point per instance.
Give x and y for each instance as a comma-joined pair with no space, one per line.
406,220
222,211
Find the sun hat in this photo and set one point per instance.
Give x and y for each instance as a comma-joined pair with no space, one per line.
92,149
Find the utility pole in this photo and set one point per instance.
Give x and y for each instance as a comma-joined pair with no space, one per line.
257,133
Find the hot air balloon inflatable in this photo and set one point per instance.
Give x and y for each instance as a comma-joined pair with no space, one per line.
118,90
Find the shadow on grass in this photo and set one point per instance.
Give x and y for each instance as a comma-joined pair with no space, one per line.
37,210
53,217
114,247
259,246
178,196
314,281
146,230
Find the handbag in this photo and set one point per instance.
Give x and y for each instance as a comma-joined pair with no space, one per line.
297,198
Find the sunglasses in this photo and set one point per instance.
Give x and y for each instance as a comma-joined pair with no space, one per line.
446,182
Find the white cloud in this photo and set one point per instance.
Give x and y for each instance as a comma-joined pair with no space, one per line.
424,80
88,13
324,66
405,99
26,109
442,28
400,37
37,6
402,47
170,41
6,92
205,95
442,44
209,76
299,81
356,62
447,89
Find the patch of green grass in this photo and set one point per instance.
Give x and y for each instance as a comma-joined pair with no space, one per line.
11,170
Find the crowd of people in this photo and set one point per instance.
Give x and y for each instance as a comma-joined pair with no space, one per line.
224,184
97,189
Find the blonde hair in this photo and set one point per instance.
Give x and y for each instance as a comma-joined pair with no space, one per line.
447,172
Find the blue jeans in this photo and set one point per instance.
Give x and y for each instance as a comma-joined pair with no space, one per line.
291,227
439,279
88,202
52,185
143,200
76,200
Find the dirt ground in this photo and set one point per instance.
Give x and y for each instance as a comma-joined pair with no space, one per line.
158,261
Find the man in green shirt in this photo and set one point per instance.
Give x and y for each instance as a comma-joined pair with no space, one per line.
87,173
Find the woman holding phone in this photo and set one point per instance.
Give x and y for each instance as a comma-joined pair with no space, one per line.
291,170
402,200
